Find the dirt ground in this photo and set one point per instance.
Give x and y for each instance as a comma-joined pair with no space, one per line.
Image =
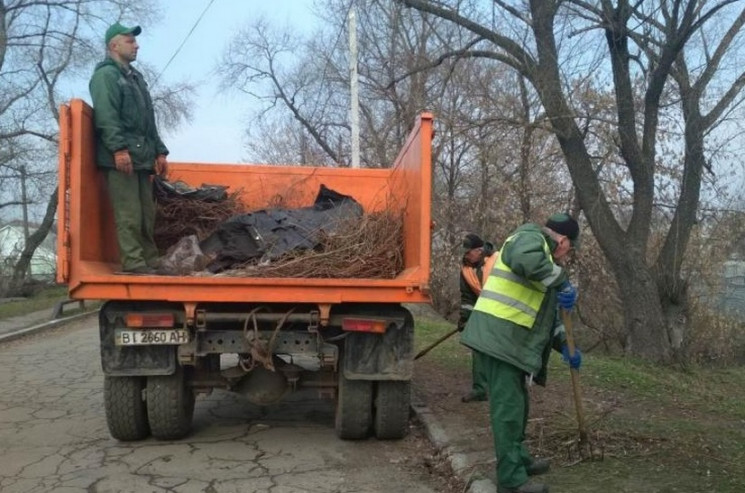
552,430
423,458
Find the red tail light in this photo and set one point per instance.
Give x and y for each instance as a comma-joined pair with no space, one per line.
146,320
364,325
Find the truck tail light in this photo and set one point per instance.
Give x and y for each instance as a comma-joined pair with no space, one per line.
146,320
364,325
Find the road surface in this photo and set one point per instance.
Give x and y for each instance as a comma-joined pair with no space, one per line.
54,438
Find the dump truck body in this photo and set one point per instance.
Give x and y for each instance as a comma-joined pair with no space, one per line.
168,337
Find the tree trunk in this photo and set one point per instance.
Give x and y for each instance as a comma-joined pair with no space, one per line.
525,152
3,34
644,320
34,240
644,317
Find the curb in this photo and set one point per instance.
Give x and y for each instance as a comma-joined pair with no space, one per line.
43,326
458,461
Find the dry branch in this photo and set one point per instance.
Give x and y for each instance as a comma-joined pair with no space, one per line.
178,217
370,247
366,248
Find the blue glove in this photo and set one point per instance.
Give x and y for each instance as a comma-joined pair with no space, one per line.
567,296
574,361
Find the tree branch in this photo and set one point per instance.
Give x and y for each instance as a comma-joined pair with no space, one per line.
521,58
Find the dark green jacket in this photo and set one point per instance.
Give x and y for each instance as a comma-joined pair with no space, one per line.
527,349
124,117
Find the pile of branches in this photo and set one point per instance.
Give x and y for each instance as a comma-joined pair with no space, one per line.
370,247
179,217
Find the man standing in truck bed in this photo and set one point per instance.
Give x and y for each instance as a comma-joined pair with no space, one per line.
128,147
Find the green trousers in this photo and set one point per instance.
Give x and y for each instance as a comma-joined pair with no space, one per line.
479,385
508,410
134,213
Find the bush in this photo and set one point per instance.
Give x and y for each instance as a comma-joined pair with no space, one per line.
717,340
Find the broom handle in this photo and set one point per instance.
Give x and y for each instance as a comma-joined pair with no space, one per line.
577,391
435,344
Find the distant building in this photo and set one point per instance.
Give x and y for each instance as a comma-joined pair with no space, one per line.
43,263
733,295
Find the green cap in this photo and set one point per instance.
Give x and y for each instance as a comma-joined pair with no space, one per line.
117,29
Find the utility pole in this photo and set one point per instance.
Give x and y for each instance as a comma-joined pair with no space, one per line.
355,106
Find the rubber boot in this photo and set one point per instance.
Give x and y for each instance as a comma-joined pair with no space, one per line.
538,466
525,488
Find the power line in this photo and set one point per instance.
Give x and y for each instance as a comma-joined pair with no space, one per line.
196,23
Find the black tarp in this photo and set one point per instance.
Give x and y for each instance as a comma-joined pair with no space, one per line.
165,189
268,234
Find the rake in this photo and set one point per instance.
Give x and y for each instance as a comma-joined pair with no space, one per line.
585,450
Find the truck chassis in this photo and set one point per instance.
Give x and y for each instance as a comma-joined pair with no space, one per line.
156,360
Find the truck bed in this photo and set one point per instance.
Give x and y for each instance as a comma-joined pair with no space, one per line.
87,249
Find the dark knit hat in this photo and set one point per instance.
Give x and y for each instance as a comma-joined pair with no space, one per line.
472,241
564,225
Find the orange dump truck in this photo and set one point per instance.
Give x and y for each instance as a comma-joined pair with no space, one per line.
165,339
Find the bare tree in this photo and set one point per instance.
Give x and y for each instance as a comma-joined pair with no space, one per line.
308,78
645,43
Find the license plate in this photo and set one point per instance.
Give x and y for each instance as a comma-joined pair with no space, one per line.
150,337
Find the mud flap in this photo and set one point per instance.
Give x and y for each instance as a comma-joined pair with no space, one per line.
120,361
388,356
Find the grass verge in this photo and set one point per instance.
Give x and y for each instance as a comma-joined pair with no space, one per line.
657,429
46,298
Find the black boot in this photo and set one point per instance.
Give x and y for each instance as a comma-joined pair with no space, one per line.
473,396
538,466
525,488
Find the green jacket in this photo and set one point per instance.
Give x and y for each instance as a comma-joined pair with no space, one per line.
527,349
124,117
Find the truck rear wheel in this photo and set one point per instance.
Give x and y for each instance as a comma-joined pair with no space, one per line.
353,408
126,414
170,405
392,402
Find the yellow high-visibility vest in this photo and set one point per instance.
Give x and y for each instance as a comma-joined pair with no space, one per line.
510,297
488,265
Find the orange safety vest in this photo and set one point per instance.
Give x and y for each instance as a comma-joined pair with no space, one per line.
469,273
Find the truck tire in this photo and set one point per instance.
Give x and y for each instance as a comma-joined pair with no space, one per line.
353,408
170,405
126,414
392,402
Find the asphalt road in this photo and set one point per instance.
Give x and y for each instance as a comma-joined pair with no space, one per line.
53,436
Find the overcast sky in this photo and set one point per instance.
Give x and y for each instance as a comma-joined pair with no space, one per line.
216,132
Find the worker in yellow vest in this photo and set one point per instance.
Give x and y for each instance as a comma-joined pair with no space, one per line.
514,325
477,255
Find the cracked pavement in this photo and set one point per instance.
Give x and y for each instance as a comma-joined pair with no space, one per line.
54,436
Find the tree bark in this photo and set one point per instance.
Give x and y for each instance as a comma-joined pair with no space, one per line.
644,317
3,34
525,152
